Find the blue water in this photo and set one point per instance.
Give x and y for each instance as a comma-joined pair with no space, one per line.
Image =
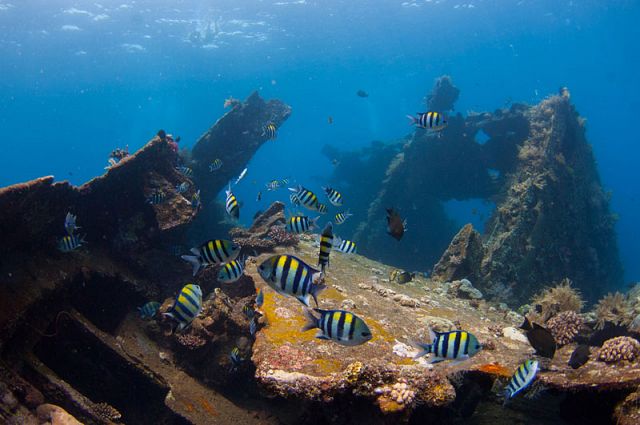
79,78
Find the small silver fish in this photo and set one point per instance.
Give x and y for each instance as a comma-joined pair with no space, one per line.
70,224
241,176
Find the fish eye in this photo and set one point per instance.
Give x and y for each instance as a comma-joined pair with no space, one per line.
366,334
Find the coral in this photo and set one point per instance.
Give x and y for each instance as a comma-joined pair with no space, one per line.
282,237
353,372
393,399
190,341
564,326
557,299
627,412
619,348
613,308
107,412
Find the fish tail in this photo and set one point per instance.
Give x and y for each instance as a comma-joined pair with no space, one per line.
314,223
315,290
424,349
311,320
296,189
412,119
195,262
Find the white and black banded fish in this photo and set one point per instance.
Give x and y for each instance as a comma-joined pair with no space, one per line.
157,197
340,326
231,271
186,306
306,197
289,275
326,243
341,217
294,199
70,243
301,224
215,165
429,120
270,130
322,208
149,310
182,187
344,246
185,171
334,196
522,378
455,345
195,199
232,206
70,224
216,251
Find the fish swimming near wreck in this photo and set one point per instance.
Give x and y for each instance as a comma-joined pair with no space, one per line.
232,271
429,120
260,299
70,224
231,204
215,165
185,171
344,246
182,187
270,130
289,275
195,200
157,197
340,326
579,357
362,93
334,196
215,251
149,310
401,276
341,217
540,338
305,197
321,208
326,243
186,306
395,225
454,345
300,224
522,378
71,243
235,358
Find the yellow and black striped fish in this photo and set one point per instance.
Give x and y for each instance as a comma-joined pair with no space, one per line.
231,271
216,251
157,197
290,275
301,224
270,130
215,165
326,243
340,326
306,197
70,242
429,120
345,246
334,196
187,306
322,208
232,206
341,217
455,345
185,171
522,378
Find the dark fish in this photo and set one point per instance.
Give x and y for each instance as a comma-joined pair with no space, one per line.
395,225
401,276
362,93
540,338
259,196
608,332
326,243
330,119
162,134
579,356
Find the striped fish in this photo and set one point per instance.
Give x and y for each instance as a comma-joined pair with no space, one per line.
455,345
326,243
301,224
149,310
235,359
334,196
185,171
157,197
70,242
306,197
270,130
231,271
522,378
322,208
249,311
340,326
289,275
253,326
215,165
344,246
294,199
187,306
429,120
232,206
341,217
195,200
70,224
216,251
182,187
260,299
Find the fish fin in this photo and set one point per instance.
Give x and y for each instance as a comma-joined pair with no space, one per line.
337,240
313,224
311,320
537,326
321,335
195,262
436,360
459,360
296,189
304,299
412,119
424,349
526,325
315,290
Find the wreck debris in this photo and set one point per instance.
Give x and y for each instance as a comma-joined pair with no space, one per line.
266,232
619,348
462,258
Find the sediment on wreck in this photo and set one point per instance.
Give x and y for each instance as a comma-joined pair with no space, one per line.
552,218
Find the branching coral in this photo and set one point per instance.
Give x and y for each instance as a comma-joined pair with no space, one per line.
552,301
615,309
190,341
620,348
283,238
107,412
565,326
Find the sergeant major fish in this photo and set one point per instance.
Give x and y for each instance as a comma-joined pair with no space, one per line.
301,224
182,187
216,251
289,275
70,224
195,200
231,271
235,358
157,197
260,299
344,246
326,243
149,310
186,306
70,243
270,130
322,208
215,165
455,345
429,120
340,326
306,197
334,196
232,206
522,378
341,217
185,171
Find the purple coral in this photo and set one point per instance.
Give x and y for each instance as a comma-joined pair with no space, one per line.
190,341
619,348
564,326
